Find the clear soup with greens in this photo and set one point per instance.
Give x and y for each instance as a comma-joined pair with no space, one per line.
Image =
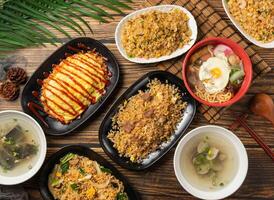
18,147
209,162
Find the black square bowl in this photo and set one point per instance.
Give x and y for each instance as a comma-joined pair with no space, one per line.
141,84
50,125
83,151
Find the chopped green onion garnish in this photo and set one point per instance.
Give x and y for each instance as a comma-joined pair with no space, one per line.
74,186
106,170
82,171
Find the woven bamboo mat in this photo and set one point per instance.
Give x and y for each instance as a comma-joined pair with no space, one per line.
210,24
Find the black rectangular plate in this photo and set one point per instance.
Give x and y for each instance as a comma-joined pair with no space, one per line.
83,151
141,84
54,126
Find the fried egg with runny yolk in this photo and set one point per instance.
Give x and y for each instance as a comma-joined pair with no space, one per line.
214,74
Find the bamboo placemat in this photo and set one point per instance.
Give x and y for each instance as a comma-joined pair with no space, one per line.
210,24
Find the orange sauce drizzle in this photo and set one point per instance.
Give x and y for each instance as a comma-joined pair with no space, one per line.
68,94
62,99
89,64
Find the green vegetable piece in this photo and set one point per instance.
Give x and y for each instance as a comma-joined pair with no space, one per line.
203,146
64,164
7,160
64,167
221,184
236,75
201,163
54,182
82,171
9,141
26,150
106,170
74,187
122,196
212,153
15,154
200,159
203,168
66,158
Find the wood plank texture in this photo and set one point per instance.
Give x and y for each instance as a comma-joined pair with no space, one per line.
159,183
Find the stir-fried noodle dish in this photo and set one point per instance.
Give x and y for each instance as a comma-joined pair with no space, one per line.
79,178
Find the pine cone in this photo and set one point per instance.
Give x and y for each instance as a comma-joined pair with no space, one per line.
16,75
9,91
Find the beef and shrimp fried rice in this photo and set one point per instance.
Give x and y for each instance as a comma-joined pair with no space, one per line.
146,120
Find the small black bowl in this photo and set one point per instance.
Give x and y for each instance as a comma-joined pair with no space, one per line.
141,84
83,151
50,125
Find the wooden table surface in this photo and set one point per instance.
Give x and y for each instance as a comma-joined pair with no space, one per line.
159,183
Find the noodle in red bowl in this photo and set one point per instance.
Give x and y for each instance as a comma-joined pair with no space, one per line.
217,72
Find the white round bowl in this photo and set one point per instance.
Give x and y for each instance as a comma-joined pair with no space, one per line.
241,169
41,140
191,23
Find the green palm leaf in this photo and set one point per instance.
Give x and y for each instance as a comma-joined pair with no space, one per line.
34,24
24,28
98,10
26,23
62,8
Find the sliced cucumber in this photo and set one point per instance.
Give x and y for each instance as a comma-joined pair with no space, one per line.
236,75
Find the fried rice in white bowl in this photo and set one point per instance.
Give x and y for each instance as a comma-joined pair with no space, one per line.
156,33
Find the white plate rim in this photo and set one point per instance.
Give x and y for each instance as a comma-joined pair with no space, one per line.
230,188
267,45
192,24
4,180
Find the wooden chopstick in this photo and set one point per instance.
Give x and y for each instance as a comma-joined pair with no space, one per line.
256,137
236,123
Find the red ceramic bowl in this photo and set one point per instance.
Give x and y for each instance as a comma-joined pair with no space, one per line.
238,50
